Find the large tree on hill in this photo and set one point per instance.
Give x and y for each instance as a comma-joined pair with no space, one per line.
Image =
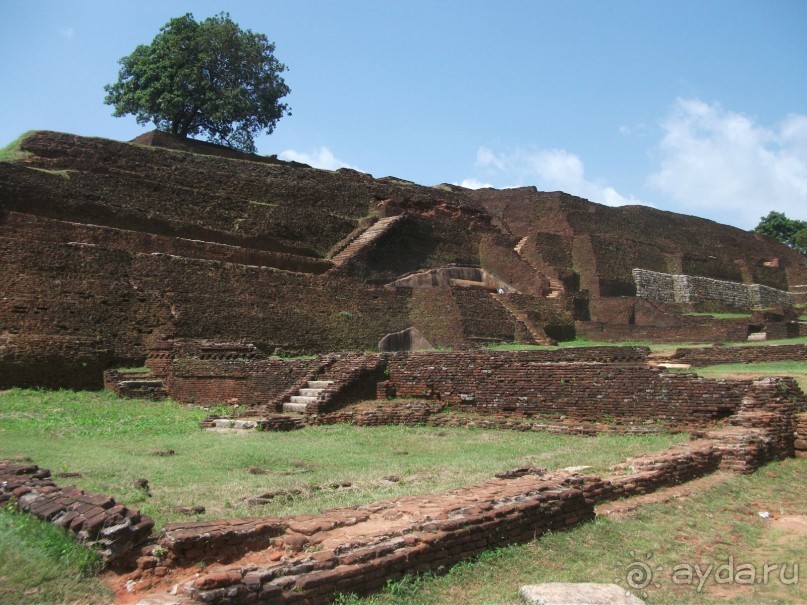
791,232
207,77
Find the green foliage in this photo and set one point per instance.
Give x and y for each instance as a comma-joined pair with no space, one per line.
13,151
791,232
207,77
40,563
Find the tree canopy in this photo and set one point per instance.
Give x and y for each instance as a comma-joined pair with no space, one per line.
207,77
791,232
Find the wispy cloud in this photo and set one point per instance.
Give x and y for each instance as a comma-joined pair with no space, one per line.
66,32
549,170
473,184
320,157
722,163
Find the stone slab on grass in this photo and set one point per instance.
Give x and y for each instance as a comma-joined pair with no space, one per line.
583,593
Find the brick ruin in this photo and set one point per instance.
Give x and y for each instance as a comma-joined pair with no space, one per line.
106,245
666,288
310,558
212,267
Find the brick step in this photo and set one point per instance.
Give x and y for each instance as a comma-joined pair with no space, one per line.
556,287
520,244
373,233
302,399
299,403
537,333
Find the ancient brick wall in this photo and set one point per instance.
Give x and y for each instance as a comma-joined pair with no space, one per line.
416,243
701,357
93,518
483,320
724,330
52,362
666,288
519,384
601,238
497,256
800,443
435,313
118,300
27,226
245,381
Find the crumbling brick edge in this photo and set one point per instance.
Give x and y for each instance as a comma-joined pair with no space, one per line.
112,528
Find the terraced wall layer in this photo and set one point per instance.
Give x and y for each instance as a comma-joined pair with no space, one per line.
32,227
119,301
520,384
710,356
666,288
715,331
274,206
603,239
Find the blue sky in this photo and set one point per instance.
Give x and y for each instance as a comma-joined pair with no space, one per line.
691,106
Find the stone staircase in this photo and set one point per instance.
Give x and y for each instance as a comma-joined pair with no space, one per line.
309,394
366,239
556,287
537,332
135,385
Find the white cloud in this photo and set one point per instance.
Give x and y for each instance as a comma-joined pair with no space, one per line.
722,163
321,157
473,184
550,170
66,32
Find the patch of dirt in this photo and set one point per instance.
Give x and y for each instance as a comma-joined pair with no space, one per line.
793,526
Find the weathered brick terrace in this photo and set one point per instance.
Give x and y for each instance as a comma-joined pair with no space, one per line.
606,385
309,558
709,356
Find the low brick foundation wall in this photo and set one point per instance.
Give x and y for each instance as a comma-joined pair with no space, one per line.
135,385
715,330
359,549
113,528
28,361
800,443
513,383
433,413
310,558
709,356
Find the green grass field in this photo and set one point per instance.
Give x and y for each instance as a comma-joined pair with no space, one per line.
796,369
113,442
40,564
